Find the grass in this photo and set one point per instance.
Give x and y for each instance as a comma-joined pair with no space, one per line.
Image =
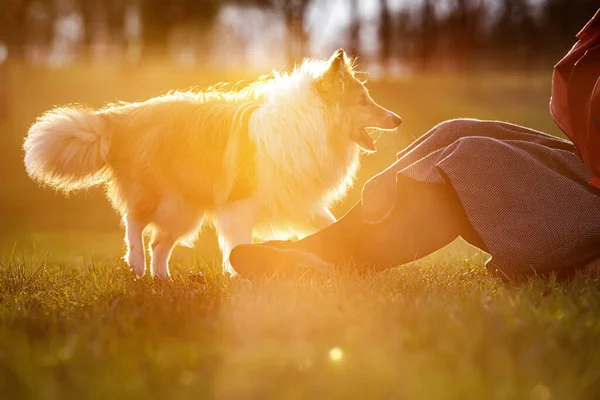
75,324
443,331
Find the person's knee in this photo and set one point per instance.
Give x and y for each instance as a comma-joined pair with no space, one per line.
454,129
475,146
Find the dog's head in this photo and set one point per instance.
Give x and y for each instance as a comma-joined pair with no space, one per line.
338,87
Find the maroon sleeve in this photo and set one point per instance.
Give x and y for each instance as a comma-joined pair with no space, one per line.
575,96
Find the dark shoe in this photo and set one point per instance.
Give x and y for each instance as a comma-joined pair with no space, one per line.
272,258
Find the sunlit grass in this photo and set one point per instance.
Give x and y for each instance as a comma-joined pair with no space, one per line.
428,330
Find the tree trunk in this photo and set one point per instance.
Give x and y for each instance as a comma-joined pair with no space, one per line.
427,37
12,31
385,35
294,12
354,31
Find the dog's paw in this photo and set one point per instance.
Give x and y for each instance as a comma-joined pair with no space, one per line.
137,270
162,275
137,266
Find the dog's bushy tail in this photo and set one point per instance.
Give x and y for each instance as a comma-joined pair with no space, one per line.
67,148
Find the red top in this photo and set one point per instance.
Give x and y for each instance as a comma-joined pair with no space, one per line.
575,102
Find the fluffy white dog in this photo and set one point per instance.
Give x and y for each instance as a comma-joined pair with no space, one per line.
266,160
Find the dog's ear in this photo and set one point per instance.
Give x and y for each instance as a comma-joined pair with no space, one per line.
338,62
338,71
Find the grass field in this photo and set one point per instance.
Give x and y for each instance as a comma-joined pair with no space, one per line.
75,324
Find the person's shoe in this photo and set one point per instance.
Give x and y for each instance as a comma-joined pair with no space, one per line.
276,257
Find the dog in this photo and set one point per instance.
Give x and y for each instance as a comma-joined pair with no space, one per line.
266,160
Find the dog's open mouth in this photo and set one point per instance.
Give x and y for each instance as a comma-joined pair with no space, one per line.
362,138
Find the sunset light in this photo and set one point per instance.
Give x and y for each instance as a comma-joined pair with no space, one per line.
299,199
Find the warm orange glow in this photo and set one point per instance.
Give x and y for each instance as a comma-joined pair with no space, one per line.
336,355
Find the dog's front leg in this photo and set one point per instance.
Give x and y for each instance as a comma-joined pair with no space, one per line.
234,221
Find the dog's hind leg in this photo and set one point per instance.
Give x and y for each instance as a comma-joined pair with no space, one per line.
234,221
174,219
162,245
134,237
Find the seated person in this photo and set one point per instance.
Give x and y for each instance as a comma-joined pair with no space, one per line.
530,200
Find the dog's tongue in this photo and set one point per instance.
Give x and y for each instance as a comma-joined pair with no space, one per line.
365,141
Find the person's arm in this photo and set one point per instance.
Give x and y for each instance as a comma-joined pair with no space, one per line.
575,104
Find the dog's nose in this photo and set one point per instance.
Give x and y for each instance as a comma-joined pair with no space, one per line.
395,119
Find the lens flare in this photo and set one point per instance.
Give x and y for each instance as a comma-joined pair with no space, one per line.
336,355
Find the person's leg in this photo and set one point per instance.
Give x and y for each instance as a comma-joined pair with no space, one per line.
426,217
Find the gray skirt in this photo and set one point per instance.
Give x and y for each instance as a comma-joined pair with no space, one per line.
525,192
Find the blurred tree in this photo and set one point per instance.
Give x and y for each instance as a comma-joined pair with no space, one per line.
104,20
404,34
13,15
562,19
39,30
514,34
385,35
159,17
354,29
427,37
464,24
464,31
293,13
89,11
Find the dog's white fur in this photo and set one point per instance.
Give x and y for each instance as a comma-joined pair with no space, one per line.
267,160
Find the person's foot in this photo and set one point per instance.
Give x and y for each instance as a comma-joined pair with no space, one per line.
277,257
